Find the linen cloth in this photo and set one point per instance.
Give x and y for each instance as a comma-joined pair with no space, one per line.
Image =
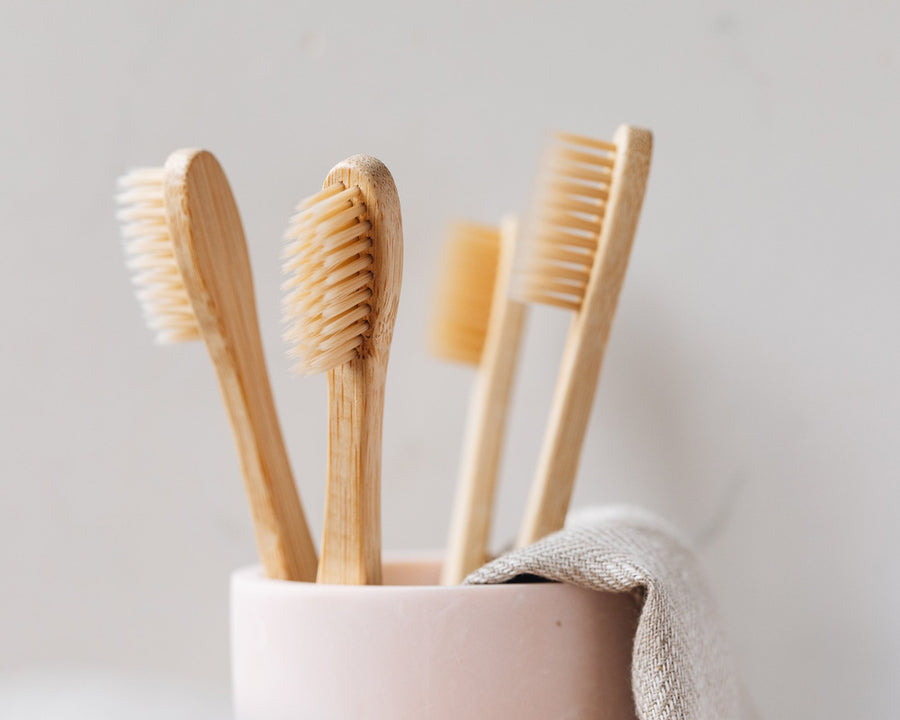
681,666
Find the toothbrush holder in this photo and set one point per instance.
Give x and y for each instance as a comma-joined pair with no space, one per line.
414,649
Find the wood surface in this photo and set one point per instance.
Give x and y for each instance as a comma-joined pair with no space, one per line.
351,539
211,253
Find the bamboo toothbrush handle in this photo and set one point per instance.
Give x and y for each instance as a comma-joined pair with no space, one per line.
551,491
351,539
548,501
470,524
212,256
284,543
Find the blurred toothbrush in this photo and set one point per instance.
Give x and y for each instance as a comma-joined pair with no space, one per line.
574,255
476,322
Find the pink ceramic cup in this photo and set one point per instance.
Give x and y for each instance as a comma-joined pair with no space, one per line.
412,649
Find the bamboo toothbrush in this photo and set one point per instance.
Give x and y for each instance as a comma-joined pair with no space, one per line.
475,321
186,247
576,251
343,259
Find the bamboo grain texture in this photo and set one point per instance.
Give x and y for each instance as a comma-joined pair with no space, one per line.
351,539
211,253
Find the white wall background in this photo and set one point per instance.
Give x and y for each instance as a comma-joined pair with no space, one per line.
750,392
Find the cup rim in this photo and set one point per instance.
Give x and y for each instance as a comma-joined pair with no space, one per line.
252,576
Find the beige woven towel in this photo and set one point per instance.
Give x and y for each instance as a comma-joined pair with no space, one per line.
681,668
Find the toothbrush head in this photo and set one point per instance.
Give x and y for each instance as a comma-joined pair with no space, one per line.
150,256
342,261
465,292
561,236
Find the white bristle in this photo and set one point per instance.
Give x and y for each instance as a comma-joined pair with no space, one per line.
150,257
562,233
328,266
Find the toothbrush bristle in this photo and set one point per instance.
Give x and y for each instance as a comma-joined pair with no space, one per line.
150,256
562,233
465,292
328,267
